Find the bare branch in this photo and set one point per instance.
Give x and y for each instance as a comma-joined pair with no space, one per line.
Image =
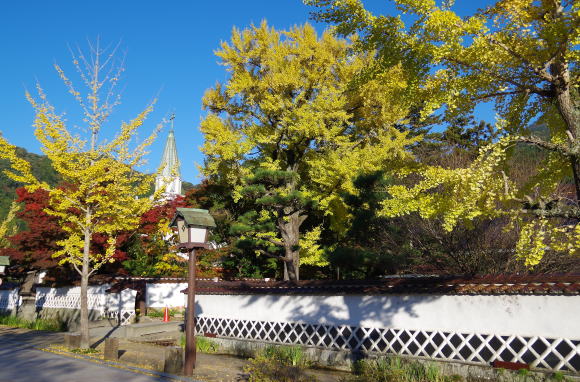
530,88
568,212
533,140
262,252
498,94
540,71
77,269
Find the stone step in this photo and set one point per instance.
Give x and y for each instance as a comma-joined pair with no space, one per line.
146,328
136,330
105,323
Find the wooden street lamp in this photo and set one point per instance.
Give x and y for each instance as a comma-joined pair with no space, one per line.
193,227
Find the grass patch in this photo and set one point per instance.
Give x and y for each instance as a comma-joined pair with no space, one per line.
287,355
158,313
394,369
279,364
202,344
559,376
38,324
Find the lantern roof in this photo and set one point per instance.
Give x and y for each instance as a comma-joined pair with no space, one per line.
193,217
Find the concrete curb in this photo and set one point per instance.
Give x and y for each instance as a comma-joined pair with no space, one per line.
119,365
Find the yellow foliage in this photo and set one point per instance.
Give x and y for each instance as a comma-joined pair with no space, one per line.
170,263
8,225
458,195
310,251
293,102
522,55
101,187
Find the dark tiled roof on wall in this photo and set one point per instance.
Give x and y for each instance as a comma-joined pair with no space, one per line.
450,285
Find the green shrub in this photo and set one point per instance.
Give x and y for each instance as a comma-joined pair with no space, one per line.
394,369
558,376
159,313
205,345
202,344
51,325
523,373
279,364
287,355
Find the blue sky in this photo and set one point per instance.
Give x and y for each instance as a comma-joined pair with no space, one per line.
169,56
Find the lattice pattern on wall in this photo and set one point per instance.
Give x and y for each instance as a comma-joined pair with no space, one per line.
9,300
539,352
69,300
123,317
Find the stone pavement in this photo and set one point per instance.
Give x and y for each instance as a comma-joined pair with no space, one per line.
21,362
210,367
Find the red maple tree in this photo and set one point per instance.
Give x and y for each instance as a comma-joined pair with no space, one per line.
32,247
151,218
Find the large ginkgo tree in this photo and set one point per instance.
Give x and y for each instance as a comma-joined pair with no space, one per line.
522,57
289,130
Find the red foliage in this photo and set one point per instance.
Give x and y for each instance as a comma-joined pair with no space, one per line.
151,218
99,245
201,195
34,246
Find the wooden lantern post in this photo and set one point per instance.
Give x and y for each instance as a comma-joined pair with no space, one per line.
193,226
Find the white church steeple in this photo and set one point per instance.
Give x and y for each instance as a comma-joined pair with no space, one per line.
170,175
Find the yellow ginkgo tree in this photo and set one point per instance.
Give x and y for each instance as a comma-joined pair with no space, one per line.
101,188
520,55
289,130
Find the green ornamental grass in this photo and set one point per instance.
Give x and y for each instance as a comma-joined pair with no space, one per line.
394,369
202,344
51,325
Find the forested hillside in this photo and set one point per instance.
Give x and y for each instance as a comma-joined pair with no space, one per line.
41,168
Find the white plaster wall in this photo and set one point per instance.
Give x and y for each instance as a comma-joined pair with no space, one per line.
99,299
125,300
547,316
172,186
165,294
9,299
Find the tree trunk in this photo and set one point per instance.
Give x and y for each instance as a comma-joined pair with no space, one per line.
293,265
571,115
568,104
84,292
575,163
289,227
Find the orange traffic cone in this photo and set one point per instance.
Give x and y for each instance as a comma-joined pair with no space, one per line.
166,314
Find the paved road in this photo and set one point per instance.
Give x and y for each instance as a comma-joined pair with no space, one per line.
20,362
